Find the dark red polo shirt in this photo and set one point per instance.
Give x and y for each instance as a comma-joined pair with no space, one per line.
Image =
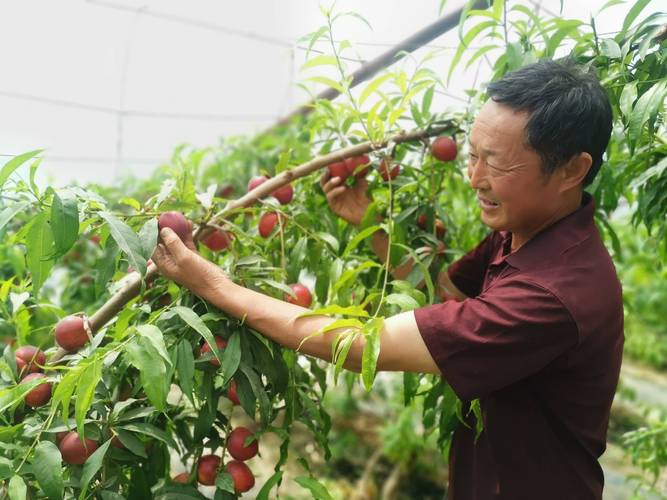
539,343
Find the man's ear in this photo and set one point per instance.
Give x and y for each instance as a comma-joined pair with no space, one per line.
575,170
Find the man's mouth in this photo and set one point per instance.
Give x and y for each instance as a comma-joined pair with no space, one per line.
486,203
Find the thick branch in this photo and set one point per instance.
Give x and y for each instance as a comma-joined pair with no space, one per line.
132,285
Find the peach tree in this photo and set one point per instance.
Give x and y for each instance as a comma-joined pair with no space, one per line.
109,371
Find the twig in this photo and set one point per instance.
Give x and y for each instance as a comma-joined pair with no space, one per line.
132,285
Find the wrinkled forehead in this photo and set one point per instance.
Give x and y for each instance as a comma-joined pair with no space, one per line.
497,129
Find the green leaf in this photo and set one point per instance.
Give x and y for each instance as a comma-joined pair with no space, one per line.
17,488
150,430
410,386
268,486
231,356
317,489
646,110
195,322
258,390
65,388
627,99
141,412
127,240
224,481
426,275
153,335
131,442
427,99
9,167
479,53
314,37
352,274
185,368
12,396
342,350
110,495
152,370
91,466
405,302
6,468
85,392
339,323
331,241
356,16
10,212
130,202
358,238
633,13
275,284
148,238
565,27
371,331
106,266
47,467
327,82
467,39
373,86
40,250
336,309
321,60
64,223
610,48
655,171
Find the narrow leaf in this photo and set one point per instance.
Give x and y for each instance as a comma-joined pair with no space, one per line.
40,250
317,489
371,332
13,164
10,212
91,466
152,370
321,60
127,240
17,488
195,322
64,222
231,356
185,368
47,467
85,392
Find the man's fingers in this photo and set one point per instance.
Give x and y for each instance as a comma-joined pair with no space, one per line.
331,184
189,242
173,243
324,177
335,193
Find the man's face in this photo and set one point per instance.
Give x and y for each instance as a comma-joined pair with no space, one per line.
512,192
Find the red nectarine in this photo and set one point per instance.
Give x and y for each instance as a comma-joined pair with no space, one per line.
71,334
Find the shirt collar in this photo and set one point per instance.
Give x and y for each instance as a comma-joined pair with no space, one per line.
555,239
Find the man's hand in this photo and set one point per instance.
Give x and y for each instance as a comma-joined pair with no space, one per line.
349,203
180,262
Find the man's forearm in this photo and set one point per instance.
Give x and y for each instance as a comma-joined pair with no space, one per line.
380,246
279,320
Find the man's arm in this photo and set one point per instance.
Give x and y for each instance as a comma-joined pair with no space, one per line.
351,204
401,344
380,244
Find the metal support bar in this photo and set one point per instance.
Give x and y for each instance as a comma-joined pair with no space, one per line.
389,57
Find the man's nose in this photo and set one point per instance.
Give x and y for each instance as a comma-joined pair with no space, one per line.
476,175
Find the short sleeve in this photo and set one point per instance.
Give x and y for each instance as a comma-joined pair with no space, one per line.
483,344
467,273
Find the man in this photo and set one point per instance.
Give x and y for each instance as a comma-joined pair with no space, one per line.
539,337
